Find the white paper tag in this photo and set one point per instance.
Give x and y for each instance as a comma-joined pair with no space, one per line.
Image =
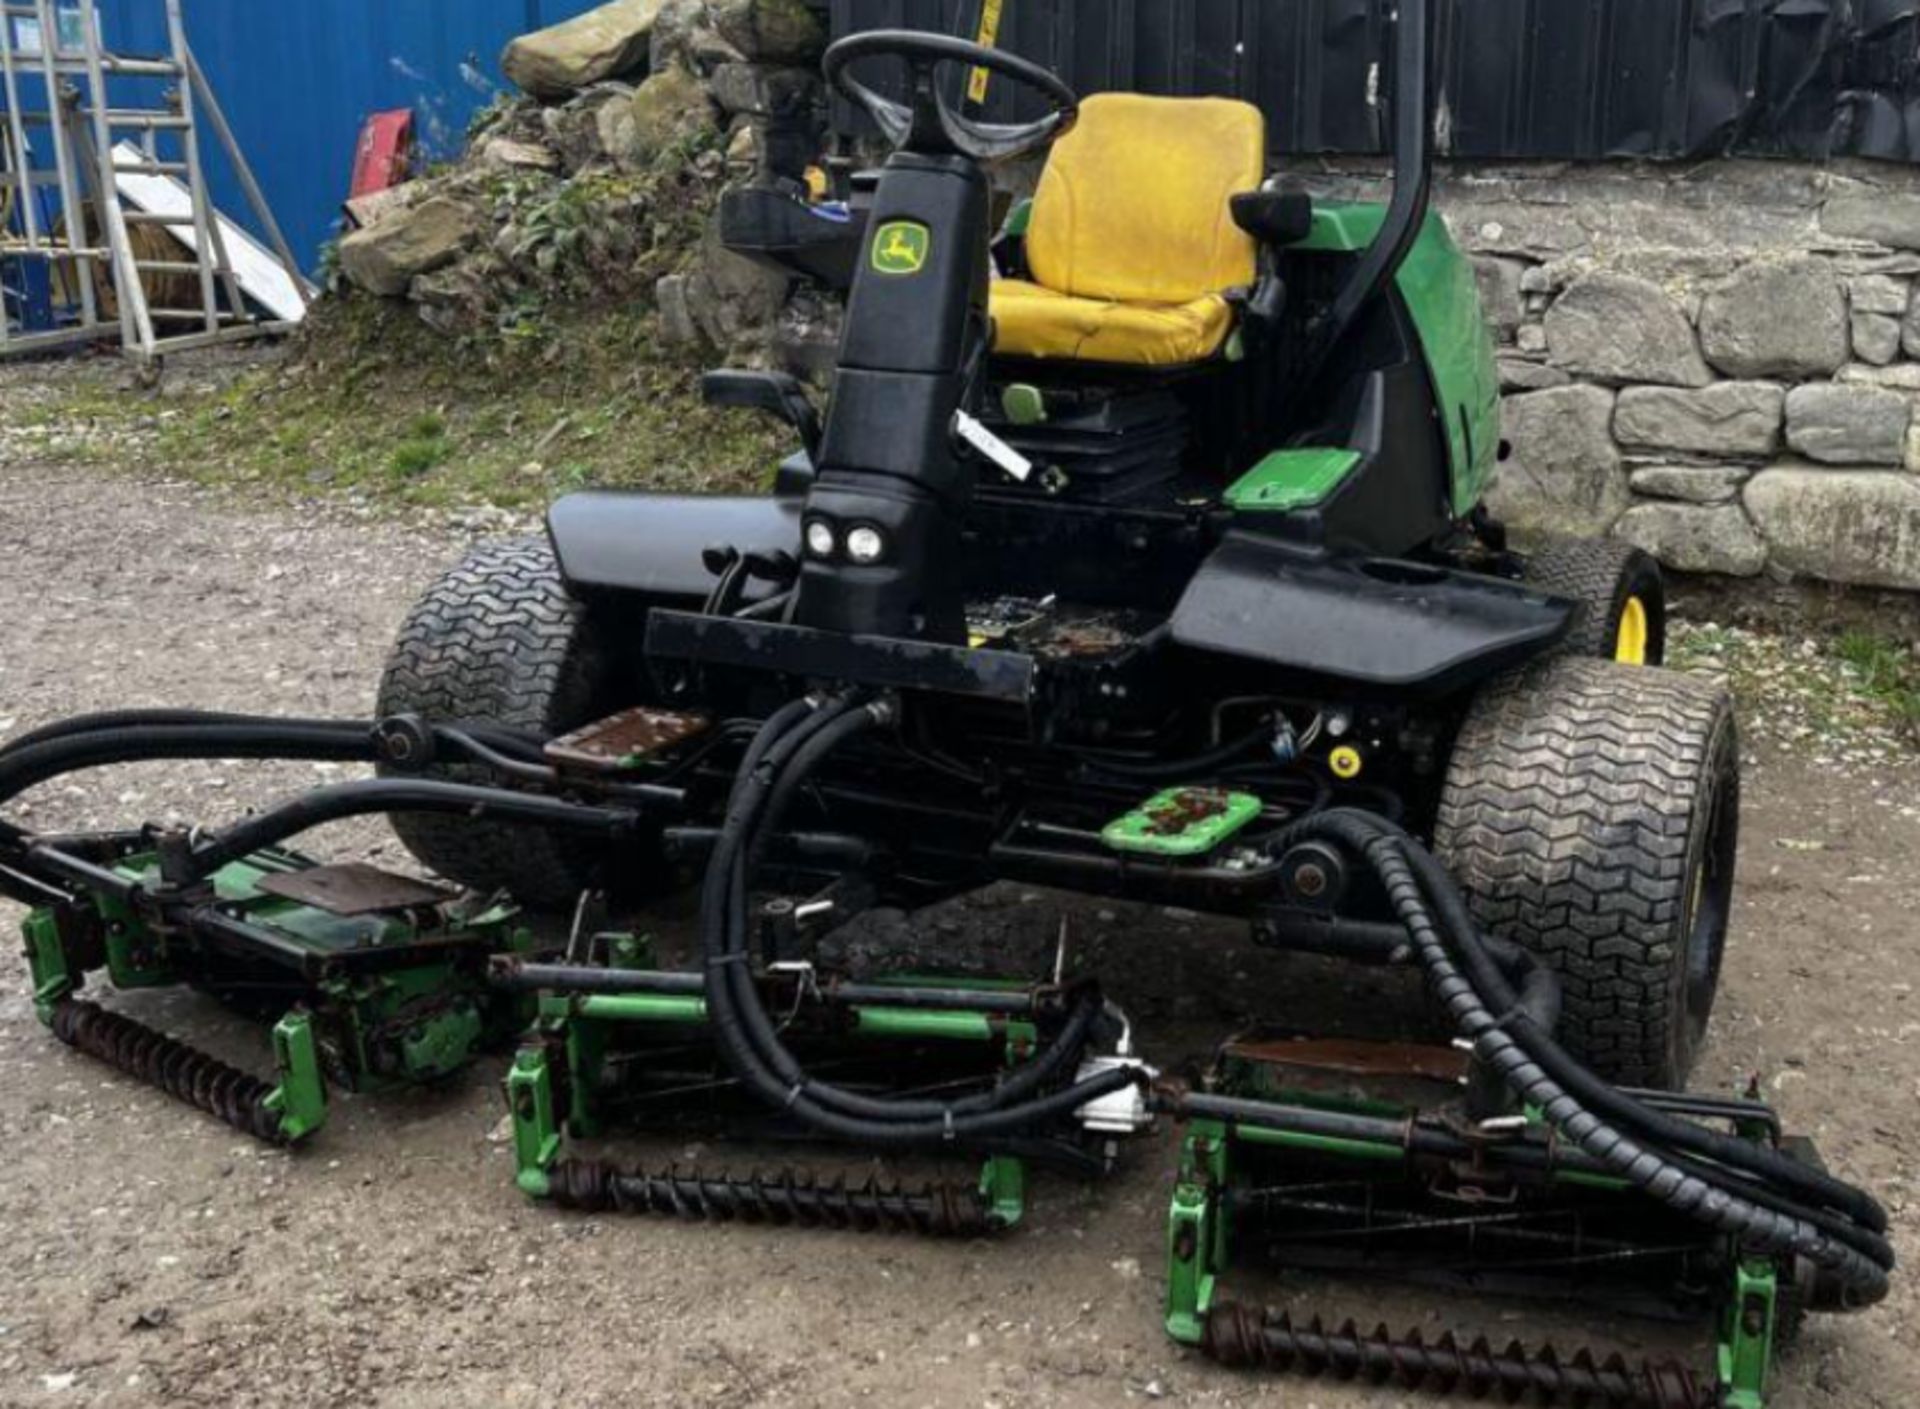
990,445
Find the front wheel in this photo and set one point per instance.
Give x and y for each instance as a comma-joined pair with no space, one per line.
500,639
1591,813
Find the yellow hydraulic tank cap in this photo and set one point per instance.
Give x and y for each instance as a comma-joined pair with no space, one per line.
1345,762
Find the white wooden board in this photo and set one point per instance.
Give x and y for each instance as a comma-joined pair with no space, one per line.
264,278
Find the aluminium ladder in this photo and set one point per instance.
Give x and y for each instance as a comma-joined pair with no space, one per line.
71,215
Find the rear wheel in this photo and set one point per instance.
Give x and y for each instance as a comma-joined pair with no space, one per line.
1591,813
499,638
1621,595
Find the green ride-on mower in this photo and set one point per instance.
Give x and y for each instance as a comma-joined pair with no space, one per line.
1139,552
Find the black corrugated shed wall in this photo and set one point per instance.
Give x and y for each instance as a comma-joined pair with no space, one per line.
1518,78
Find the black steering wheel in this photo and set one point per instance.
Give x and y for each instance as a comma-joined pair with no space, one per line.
927,123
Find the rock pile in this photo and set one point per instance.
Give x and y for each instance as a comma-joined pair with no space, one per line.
598,184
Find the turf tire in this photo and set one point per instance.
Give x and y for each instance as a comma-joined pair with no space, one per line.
500,638
1591,812
1602,576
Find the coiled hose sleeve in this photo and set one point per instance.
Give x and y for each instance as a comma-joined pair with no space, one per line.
1504,1042
1806,1182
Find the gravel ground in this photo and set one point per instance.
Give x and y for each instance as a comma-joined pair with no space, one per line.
151,1257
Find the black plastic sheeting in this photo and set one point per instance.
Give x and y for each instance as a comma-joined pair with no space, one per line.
1567,79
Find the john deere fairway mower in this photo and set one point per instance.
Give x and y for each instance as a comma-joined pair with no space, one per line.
1138,552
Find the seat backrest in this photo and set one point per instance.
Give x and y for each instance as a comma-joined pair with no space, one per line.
1133,205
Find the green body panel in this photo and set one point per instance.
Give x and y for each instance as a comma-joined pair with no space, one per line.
1438,285
1019,219
1291,479
1181,822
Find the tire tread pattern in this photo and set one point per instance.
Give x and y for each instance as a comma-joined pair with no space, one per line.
497,638
1569,817
1591,571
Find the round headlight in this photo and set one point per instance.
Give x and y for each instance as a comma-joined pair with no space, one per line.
820,540
866,545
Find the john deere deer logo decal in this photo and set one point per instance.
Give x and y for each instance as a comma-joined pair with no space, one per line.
900,247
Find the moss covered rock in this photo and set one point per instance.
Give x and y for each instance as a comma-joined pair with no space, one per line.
667,111
559,61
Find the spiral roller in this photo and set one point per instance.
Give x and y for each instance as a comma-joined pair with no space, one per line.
787,1198
1244,1337
183,1072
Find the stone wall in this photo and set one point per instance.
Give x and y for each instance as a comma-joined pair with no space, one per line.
1718,362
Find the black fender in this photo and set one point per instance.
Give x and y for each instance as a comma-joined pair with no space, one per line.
1383,623
620,542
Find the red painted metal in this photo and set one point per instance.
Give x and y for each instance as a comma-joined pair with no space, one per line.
383,157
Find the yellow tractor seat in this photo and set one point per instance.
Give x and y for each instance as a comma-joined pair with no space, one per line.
1131,244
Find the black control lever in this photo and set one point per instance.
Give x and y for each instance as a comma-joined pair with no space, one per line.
776,393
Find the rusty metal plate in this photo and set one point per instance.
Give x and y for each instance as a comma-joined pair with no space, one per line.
623,740
353,888
1398,1074
1355,1057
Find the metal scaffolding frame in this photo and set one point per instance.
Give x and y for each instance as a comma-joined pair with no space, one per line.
95,136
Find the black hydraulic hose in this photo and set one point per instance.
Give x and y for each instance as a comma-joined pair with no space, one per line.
492,758
733,1003
1712,1197
371,795
28,767
1808,1184
1185,768
1698,1150
144,718
805,757
802,756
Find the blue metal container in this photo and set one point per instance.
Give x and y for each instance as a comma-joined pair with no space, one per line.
298,79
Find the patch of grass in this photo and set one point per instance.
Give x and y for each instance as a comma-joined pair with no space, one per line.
374,404
1858,691
412,458
1886,671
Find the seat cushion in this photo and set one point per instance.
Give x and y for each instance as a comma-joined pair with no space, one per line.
1031,321
1135,202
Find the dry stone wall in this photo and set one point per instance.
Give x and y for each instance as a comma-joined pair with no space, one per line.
1720,363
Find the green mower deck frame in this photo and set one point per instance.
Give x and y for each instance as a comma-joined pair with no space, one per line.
367,1001
1322,1167
563,1089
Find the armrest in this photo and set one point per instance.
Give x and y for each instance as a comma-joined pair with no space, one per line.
1274,218
776,393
